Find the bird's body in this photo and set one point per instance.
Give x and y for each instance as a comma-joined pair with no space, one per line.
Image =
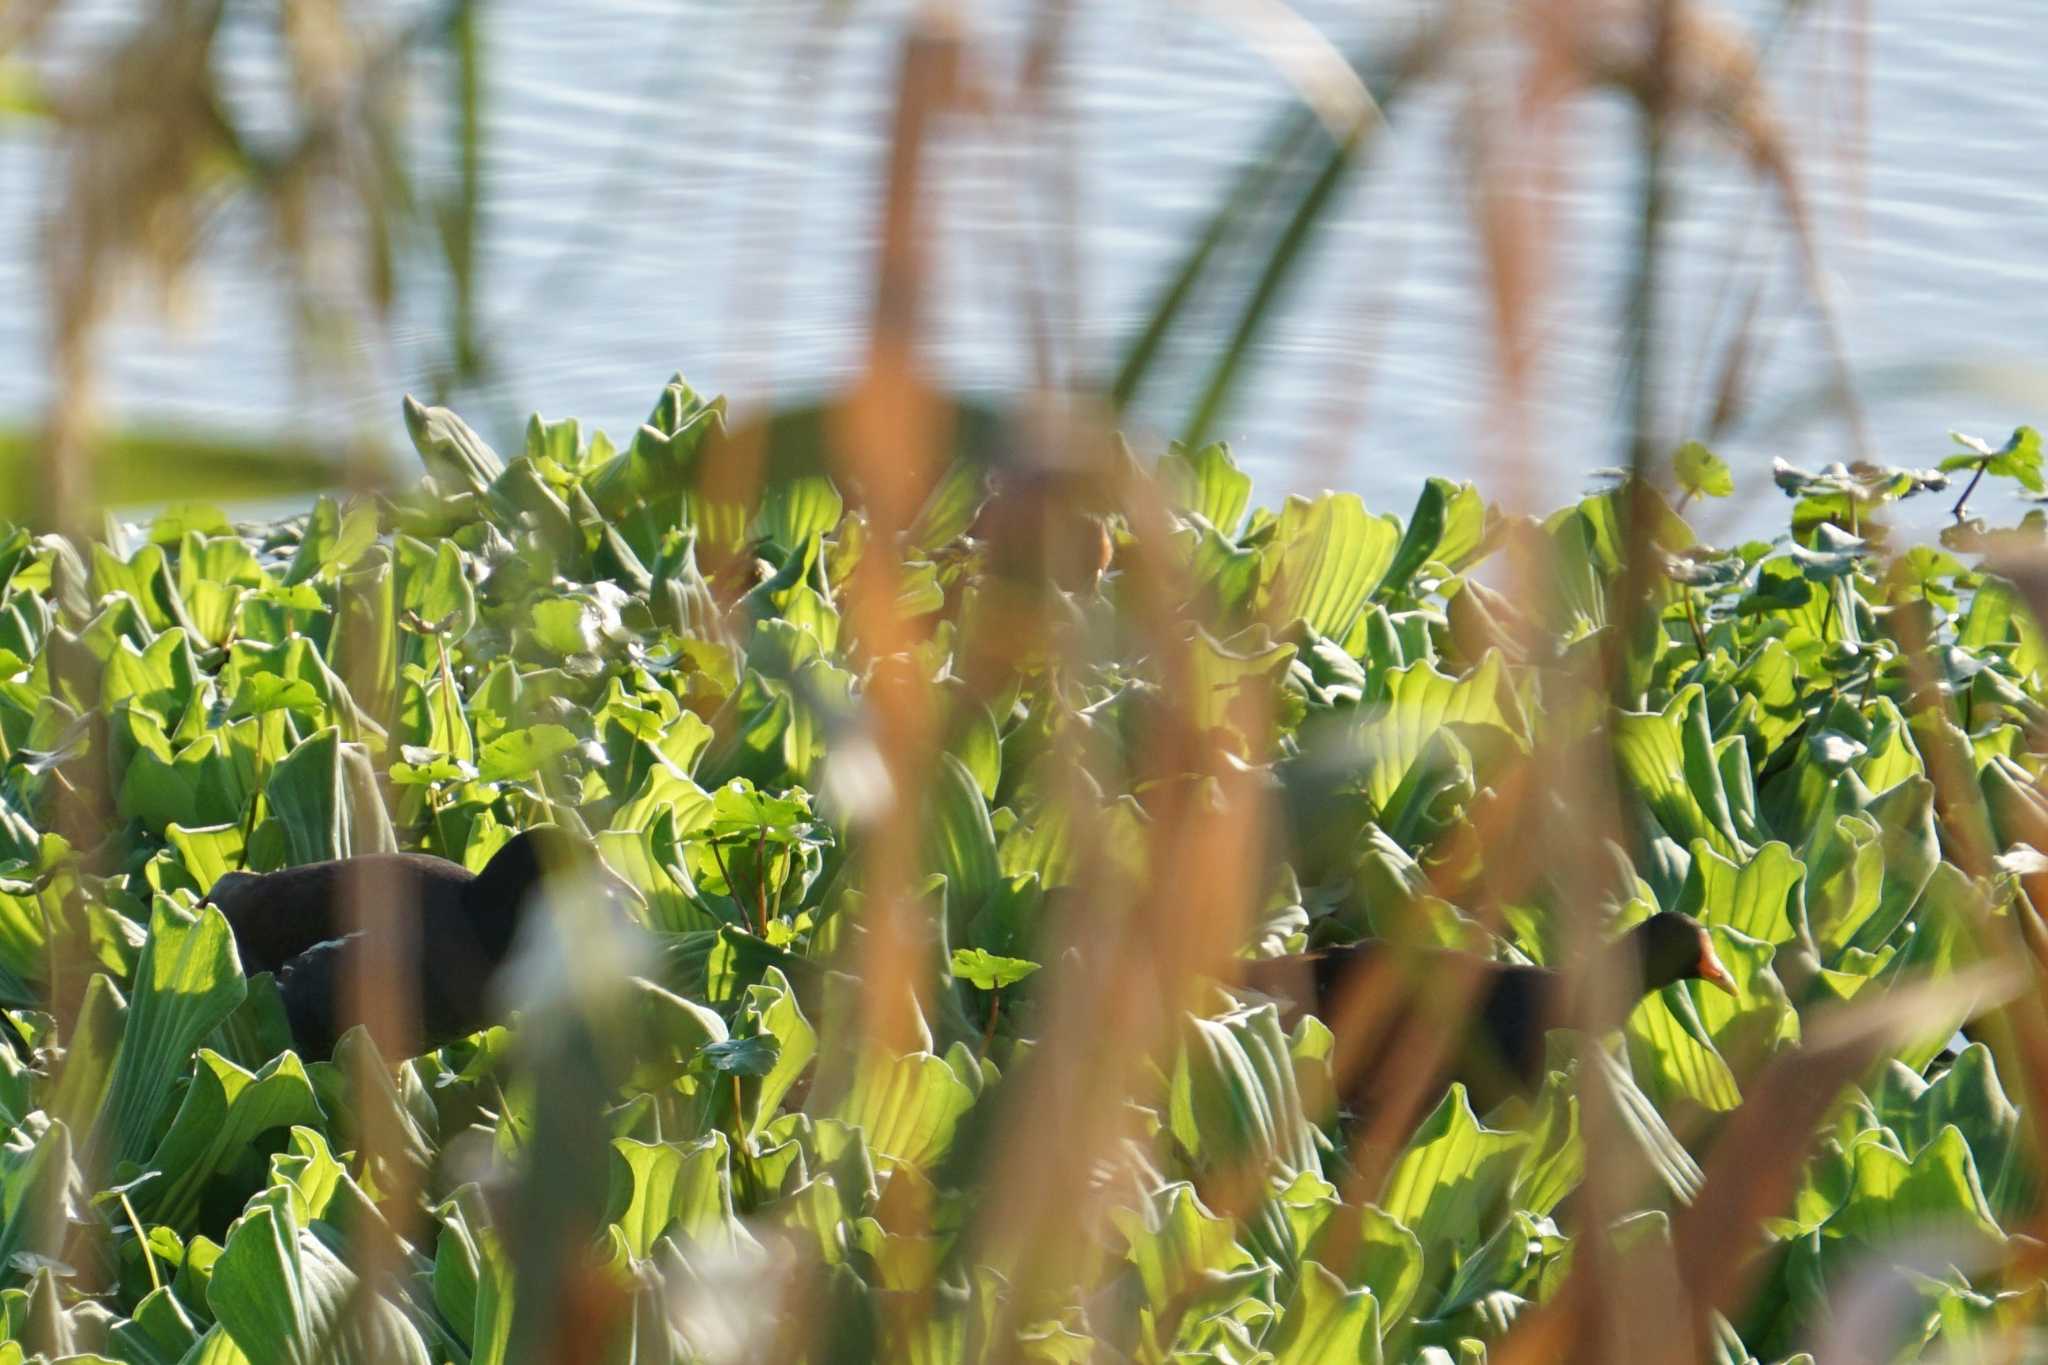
450,927
1485,1020
278,915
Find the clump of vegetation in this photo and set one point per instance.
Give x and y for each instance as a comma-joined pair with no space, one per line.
944,830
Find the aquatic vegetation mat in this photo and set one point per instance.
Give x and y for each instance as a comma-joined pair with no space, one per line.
947,803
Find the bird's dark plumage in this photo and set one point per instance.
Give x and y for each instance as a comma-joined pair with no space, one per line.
458,928
1366,991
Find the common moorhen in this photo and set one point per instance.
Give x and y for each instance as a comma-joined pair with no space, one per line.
1363,991
296,924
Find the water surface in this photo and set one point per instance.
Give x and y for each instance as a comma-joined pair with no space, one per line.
692,186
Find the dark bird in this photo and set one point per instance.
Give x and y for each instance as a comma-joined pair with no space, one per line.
459,928
1497,1012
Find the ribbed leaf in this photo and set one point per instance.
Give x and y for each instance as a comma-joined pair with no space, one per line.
35,1175
1892,1199
1761,897
1234,684
326,797
1448,523
1326,1323
285,1298
454,455
676,1188
1420,702
1208,483
1324,559
186,983
907,1106
1672,1057
771,1010
1448,1183
1234,1105
1968,1098
1176,1243
960,841
1669,757
1667,1156
224,1111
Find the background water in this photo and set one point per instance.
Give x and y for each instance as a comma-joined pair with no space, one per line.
693,186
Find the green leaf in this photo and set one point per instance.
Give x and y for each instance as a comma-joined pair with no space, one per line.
1208,483
1672,1056
685,1190
1969,1098
1326,1323
35,1175
1669,757
1224,573
261,692
333,541
1324,560
1891,1199
771,1010
455,456
2019,458
89,1054
1420,703
665,792
1176,1244
1447,1183
949,509
1924,573
959,839
906,1106
224,1111
1702,473
741,1056
284,1297
326,797
1835,554
1374,1251
1234,1103
1448,524
681,1028
309,1174
160,679
988,972
517,755
186,984
435,586
794,511
567,625
208,854
1235,684
1761,898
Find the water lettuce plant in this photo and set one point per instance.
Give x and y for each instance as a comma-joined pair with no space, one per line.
923,1055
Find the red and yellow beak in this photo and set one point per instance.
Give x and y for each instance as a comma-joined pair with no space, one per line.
1712,969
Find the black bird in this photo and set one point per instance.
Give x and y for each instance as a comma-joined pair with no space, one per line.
295,923
1498,1011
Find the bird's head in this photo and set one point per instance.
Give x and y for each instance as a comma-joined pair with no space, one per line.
1673,947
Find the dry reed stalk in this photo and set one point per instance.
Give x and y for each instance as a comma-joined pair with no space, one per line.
1123,973
1751,1173
889,437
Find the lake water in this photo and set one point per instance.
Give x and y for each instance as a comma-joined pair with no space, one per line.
692,186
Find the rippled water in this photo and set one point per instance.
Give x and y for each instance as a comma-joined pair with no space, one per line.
690,186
